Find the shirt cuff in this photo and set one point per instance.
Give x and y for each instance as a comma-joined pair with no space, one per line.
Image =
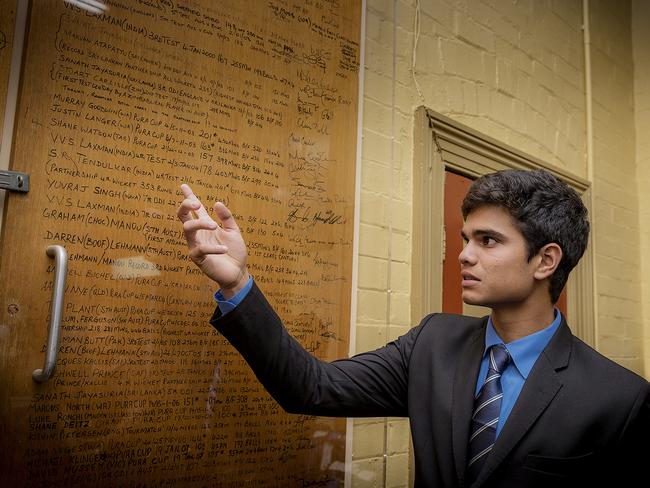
229,305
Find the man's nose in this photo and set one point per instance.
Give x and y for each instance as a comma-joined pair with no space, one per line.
467,255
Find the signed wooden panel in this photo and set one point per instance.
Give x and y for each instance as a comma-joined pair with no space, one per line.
252,103
7,22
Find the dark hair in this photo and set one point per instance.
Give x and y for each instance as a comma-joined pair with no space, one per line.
545,210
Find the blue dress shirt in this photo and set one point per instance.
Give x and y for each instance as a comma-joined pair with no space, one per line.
524,353
228,305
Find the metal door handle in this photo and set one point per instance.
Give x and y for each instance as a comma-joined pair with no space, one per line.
60,256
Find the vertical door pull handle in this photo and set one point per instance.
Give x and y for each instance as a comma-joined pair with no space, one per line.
60,256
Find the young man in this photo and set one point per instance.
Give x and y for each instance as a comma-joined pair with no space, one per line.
509,400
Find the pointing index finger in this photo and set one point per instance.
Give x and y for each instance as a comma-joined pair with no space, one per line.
200,210
187,191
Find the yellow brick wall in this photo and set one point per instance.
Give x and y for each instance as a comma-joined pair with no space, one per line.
514,71
641,39
616,219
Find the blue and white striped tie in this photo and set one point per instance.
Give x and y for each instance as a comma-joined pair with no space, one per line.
487,406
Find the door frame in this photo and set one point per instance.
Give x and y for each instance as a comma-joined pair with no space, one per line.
441,143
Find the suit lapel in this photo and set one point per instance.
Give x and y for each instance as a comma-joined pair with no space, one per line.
540,388
462,403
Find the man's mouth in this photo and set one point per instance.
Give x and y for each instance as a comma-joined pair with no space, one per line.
468,279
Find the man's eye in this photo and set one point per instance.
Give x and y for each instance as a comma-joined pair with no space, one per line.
488,241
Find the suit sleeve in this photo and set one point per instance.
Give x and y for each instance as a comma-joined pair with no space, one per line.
372,384
631,452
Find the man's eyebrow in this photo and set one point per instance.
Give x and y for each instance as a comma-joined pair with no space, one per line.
484,232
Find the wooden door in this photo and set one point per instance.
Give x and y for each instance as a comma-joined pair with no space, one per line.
255,105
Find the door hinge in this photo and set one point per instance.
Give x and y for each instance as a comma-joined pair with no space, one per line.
14,181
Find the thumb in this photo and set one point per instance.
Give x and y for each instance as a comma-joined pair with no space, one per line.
225,217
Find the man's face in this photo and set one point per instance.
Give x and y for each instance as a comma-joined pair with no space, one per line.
494,262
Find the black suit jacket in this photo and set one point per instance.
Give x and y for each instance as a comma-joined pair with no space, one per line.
580,419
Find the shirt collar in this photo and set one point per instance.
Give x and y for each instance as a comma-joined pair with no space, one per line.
525,351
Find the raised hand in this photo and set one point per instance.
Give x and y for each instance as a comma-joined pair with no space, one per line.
219,251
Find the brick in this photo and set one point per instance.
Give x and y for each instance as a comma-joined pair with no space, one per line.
367,421
523,61
506,31
461,59
373,208
401,247
378,87
439,11
406,96
429,56
569,12
405,16
399,435
634,330
404,43
521,115
397,471
484,94
400,277
626,217
400,309
570,73
475,34
618,348
378,58
610,246
470,100
613,194
373,273
575,97
604,210
368,473
374,29
489,69
505,76
367,441
576,56
615,267
369,338
402,188
377,116
376,147
523,84
550,137
455,94
608,286
544,76
384,8
539,100
375,177
555,112
373,241
503,111
401,216
576,128
371,307
622,308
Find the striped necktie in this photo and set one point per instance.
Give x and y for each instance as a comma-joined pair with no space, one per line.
487,406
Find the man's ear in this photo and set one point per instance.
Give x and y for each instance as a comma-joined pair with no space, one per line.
549,257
